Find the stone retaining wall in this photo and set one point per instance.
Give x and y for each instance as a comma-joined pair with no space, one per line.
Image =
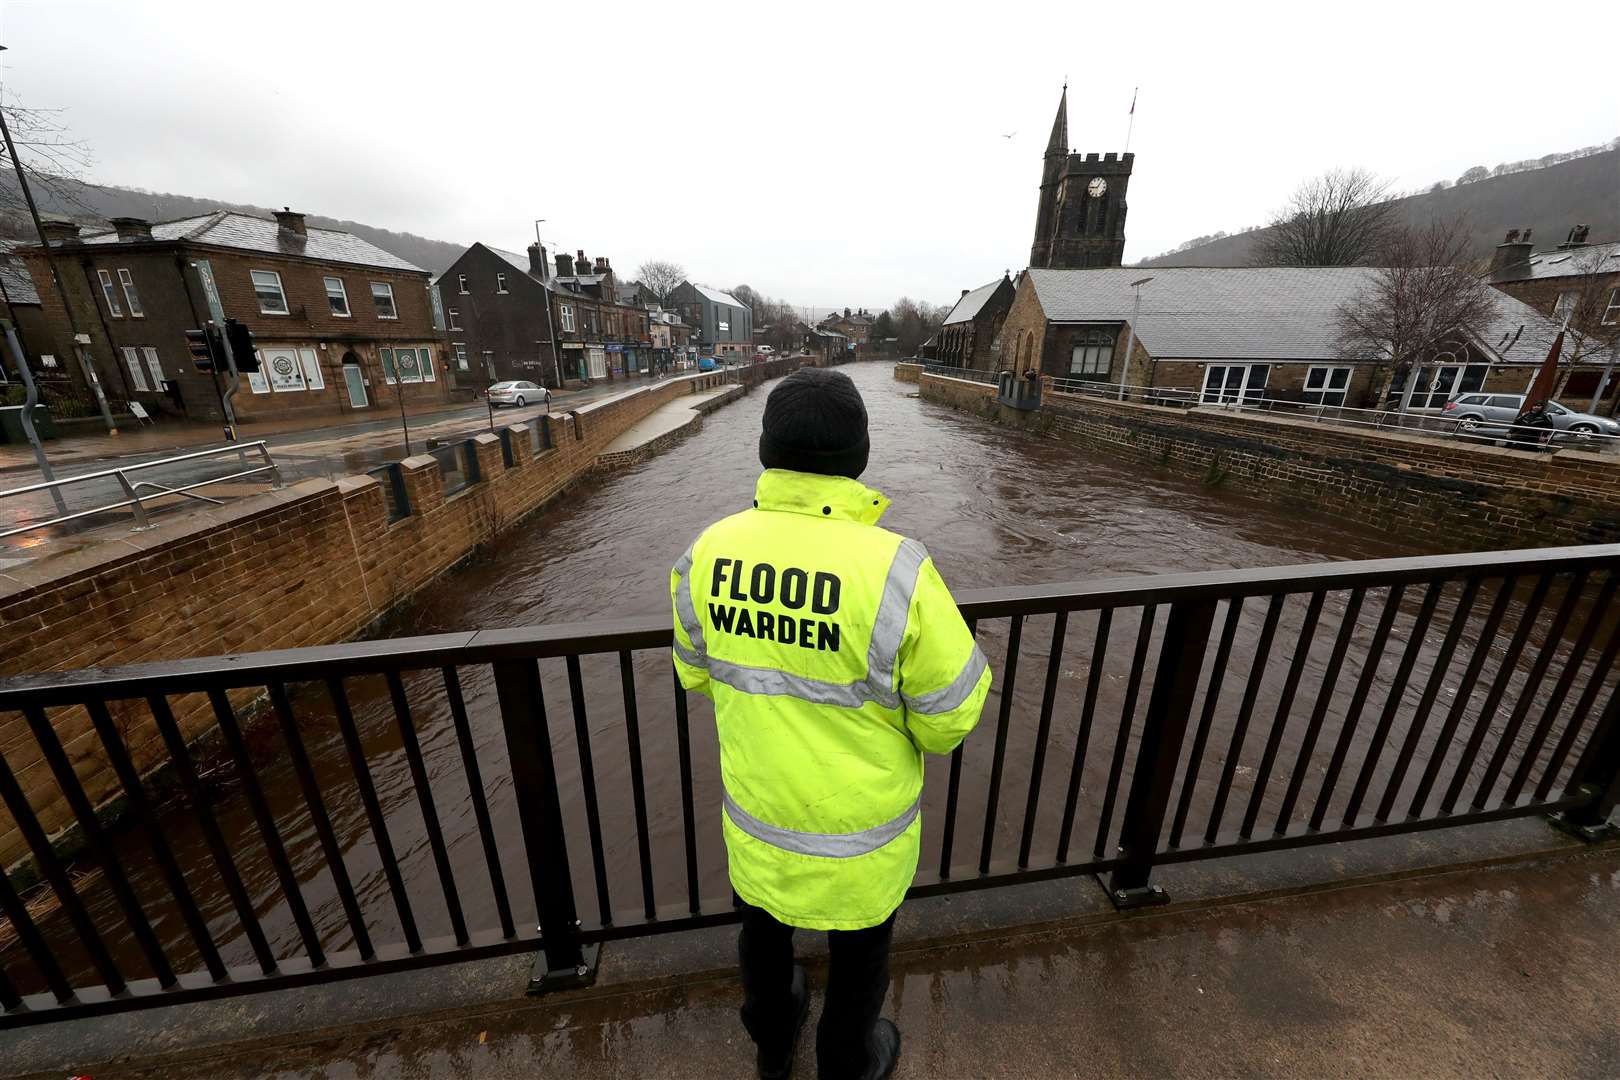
907,372
1437,492
315,563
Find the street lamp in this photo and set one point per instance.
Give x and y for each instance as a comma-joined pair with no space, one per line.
545,292
1130,338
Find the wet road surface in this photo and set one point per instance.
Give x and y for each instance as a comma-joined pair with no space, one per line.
995,507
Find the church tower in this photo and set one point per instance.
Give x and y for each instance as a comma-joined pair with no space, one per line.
1080,217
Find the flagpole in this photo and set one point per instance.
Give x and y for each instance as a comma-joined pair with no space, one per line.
1131,126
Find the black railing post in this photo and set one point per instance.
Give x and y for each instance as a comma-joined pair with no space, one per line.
1598,771
1175,684
562,964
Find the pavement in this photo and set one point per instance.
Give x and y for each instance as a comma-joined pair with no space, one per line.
301,449
1507,967
667,418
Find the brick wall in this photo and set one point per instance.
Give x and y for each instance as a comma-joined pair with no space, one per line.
1438,492
309,565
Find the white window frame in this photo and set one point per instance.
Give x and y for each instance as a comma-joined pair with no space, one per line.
392,303
461,283
132,298
565,315
1611,314
342,293
500,283
253,278
154,366
424,358
1564,304
310,361
461,358
132,361
1326,390
110,293
450,315
1245,394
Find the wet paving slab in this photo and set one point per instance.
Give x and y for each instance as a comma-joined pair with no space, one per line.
1507,970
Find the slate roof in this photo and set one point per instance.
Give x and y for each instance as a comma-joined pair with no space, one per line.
1241,313
970,305
519,261
20,287
715,296
226,228
1603,258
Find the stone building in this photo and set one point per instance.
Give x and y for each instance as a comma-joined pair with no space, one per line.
1080,216
340,326
1579,280
20,302
1242,334
511,316
970,336
854,325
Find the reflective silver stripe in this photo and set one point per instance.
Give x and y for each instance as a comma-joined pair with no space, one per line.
687,656
952,696
758,680
826,845
889,627
687,612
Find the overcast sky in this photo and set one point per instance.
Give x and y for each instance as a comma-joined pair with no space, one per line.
829,154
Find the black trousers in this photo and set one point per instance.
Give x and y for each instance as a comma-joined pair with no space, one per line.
857,982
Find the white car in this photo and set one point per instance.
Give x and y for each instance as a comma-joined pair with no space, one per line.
517,393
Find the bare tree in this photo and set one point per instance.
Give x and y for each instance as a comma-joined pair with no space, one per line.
1591,299
751,299
914,322
52,158
661,278
1423,293
1340,218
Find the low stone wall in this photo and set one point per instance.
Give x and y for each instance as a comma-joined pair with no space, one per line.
907,372
315,563
1438,492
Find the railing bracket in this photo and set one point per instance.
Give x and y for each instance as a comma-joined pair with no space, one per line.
544,981
1131,899
1591,834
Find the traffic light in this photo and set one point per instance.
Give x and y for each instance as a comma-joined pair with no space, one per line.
205,351
241,339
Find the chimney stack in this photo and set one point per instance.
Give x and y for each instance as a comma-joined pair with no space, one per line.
582,265
1576,238
291,221
600,266
1512,252
565,265
132,229
964,293
537,261
57,230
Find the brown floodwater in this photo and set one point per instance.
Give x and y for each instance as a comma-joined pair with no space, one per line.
995,507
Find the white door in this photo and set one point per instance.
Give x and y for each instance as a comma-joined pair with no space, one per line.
356,383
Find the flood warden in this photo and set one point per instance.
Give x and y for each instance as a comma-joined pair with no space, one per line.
835,658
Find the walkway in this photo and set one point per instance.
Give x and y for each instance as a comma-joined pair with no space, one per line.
664,426
1504,971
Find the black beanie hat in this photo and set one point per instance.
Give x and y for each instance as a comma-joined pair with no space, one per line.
815,422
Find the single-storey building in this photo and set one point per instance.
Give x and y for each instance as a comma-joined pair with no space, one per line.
970,336
1216,334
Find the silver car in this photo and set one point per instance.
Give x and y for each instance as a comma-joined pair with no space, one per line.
1496,412
517,393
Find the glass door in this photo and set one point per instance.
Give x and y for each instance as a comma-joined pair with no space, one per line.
1235,384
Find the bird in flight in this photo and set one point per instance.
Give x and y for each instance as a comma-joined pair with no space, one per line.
1009,134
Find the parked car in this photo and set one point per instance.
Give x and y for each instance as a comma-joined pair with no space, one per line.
707,363
1494,412
517,393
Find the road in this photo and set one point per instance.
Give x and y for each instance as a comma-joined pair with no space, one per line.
337,450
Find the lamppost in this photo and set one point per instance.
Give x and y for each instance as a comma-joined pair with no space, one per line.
1130,338
551,330
73,322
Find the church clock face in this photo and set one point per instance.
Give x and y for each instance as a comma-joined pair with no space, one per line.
1097,188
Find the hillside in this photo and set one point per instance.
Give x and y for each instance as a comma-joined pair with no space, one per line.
1550,200
109,202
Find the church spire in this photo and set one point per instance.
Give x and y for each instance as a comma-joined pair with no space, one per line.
1059,142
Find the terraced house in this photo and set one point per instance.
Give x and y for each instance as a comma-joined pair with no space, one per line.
341,326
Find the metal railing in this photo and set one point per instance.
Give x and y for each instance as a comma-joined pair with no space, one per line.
439,786
132,490
1447,422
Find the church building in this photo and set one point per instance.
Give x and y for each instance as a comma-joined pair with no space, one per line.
1080,220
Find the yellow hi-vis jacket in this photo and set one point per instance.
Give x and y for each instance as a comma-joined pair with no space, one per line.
835,657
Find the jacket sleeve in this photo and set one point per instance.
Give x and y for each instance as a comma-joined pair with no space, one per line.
944,678
691,656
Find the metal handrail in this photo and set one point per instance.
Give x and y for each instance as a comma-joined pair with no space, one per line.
131,490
